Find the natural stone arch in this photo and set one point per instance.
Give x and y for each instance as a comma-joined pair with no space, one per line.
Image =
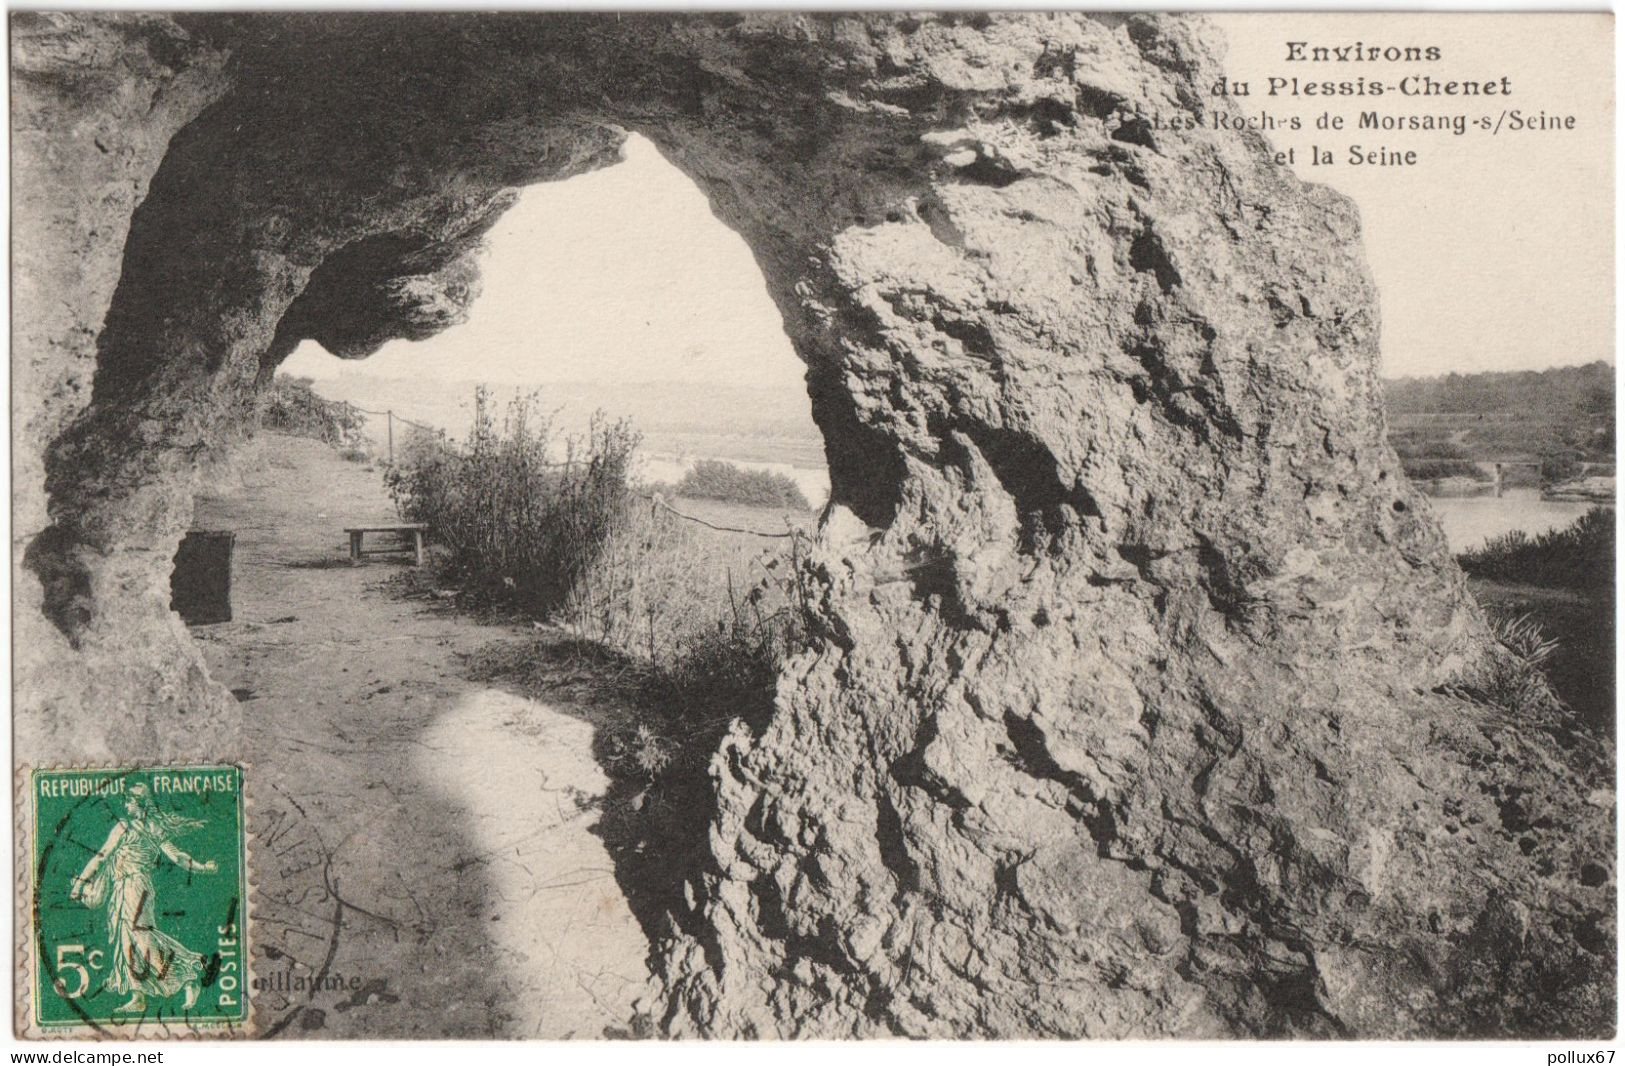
1123,717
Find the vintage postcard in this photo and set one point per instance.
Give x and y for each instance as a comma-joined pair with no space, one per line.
807,525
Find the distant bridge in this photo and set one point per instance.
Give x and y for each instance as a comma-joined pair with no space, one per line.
1498,467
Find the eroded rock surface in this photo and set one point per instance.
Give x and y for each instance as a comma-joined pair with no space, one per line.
95,102
1127,714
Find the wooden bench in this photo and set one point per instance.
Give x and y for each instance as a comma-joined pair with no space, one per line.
412,531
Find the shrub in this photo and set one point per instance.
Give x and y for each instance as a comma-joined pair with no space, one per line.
713,479
1559,467
519,526
1579,556
1423,469
1427,459
290,405
1512,676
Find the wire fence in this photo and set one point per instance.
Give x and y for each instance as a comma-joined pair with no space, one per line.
658,502
655,498
390,418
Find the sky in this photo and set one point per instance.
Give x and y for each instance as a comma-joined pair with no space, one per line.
1494,254
622,274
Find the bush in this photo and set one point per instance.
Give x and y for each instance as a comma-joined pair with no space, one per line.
520,527
1579,556
290,405
1427,459
712,479
709,616
1413,445
1513,675
1557,467
1433,469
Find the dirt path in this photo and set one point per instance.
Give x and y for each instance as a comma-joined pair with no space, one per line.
425,848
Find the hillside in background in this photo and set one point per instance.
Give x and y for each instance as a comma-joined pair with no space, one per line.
1559,418
1441,426
1563,388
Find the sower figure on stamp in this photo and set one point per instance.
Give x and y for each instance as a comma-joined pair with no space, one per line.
145,961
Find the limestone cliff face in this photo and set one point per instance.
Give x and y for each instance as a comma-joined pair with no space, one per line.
95,102
1124,719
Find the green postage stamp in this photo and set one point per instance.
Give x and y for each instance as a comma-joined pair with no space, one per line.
139,889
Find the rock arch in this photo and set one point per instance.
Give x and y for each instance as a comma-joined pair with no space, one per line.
1125,719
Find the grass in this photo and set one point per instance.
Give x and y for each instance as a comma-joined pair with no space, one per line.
1435,469
677,633
1512,676
1550,600
1579,667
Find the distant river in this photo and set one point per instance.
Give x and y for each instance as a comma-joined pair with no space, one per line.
1469,521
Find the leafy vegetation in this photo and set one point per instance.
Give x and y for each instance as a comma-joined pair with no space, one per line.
1588,387
290,405
1561,419
702,620
713,479
1551,600
1579,556
1428,460
518,526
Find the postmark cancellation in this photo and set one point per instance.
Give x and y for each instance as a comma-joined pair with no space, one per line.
135,907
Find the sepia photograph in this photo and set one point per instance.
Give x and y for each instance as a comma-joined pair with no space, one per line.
806,525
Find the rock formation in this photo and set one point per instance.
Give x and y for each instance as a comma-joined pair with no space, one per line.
1131,710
